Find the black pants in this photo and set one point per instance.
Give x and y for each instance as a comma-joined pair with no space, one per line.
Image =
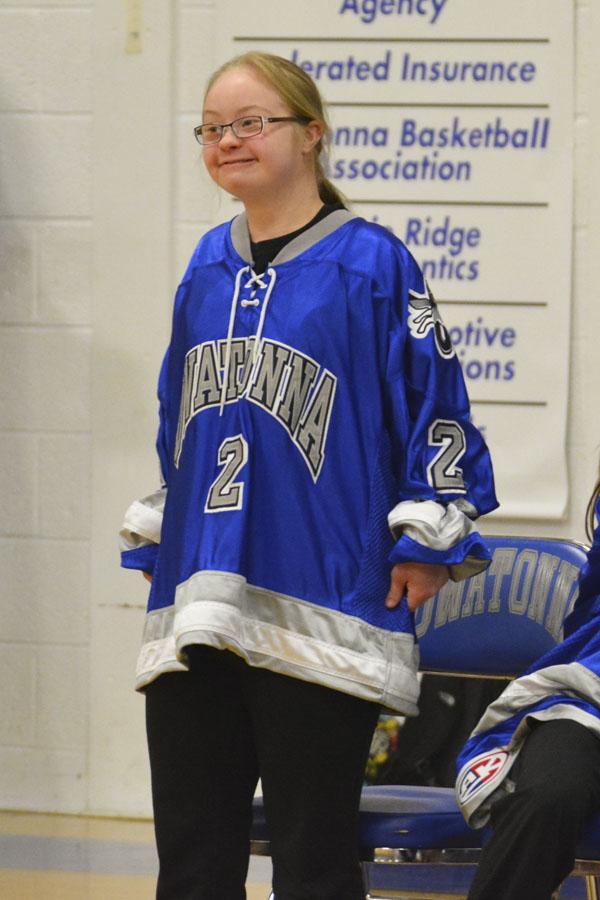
536,829
211,733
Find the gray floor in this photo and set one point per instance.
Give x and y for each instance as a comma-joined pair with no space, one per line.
102,857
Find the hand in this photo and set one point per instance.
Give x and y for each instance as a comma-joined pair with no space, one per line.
147,576
419,581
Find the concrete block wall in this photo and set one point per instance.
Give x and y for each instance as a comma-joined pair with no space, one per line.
102,198
45,411
196,199
147,247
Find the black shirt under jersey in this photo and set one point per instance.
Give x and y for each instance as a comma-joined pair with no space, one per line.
265,251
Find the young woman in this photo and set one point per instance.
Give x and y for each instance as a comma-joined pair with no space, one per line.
314,438
546,724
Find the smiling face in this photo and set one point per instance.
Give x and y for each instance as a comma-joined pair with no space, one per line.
267,164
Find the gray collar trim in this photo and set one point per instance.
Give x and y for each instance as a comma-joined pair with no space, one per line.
240,236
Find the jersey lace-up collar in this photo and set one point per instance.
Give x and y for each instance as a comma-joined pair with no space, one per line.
254,282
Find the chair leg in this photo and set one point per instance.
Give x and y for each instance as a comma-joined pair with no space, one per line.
591,888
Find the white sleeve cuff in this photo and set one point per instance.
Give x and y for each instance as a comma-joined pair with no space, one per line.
143,521
429,523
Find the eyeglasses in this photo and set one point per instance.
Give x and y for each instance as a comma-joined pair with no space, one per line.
244,127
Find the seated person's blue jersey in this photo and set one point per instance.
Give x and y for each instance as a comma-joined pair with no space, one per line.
299,409
562,684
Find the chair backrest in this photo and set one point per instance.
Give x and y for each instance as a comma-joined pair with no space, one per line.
500,621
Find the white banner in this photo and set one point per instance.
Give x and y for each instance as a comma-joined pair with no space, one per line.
453,126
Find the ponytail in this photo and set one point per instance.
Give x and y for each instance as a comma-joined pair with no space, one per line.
327,191
590,513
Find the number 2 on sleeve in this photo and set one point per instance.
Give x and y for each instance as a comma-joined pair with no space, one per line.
442,472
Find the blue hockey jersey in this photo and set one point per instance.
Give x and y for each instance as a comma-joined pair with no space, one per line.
564,683
307,414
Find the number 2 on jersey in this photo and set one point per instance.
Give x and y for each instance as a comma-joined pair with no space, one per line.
225,493
442,472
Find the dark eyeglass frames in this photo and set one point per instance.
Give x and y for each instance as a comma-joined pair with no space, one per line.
244,127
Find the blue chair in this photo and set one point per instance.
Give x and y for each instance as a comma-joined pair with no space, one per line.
414,841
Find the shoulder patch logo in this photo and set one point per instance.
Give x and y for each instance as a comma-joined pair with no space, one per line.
423,316
479,773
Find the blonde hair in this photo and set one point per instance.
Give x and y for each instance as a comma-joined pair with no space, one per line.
301,95
590,511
